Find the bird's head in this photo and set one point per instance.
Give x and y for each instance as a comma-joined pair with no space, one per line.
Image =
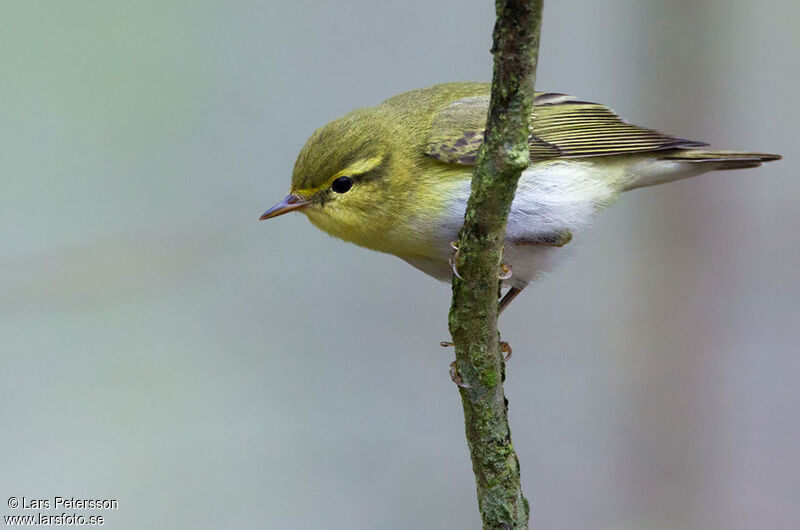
350,180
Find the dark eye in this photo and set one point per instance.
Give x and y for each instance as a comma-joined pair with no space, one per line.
342,184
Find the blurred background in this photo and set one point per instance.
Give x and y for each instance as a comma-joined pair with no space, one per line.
161,347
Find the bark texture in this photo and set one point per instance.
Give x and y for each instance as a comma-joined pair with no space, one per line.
473,314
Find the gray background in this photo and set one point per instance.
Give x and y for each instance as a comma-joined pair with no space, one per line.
161,347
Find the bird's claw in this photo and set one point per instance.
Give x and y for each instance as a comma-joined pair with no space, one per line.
455,377
453,258
505,273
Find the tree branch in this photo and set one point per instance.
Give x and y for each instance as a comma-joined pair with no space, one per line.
473,314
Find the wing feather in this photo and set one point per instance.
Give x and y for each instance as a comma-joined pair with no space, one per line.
563,127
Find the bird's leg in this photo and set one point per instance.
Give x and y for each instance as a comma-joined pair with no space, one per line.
556,239
509,296
505,348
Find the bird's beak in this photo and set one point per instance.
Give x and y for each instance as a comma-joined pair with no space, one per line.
288,204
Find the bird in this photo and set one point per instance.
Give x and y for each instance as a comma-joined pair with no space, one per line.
396,177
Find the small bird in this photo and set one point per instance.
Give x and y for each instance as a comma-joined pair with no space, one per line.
396,177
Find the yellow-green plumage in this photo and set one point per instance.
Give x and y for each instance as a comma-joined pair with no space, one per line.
395,177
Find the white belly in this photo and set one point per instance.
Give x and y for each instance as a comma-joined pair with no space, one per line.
551,199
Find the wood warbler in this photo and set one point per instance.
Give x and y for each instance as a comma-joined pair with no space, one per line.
396,177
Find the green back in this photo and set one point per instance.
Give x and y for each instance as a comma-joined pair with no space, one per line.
563,127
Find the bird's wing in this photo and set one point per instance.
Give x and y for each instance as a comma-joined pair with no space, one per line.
563,127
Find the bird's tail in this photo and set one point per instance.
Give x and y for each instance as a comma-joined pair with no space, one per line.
721,159
678,164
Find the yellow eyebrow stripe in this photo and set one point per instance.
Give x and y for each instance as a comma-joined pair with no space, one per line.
358,167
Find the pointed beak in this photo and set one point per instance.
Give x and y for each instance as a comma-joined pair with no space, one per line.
288,204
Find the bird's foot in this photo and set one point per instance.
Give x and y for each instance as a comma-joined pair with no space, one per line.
505,270
510,295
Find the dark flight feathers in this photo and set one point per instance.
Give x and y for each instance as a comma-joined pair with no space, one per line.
563,127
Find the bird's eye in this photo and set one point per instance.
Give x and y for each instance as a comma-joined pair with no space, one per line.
342,184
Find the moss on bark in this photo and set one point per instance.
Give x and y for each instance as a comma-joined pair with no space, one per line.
473,314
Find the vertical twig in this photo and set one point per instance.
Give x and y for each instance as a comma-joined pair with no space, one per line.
473,314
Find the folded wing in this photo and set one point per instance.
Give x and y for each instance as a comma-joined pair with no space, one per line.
563,127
